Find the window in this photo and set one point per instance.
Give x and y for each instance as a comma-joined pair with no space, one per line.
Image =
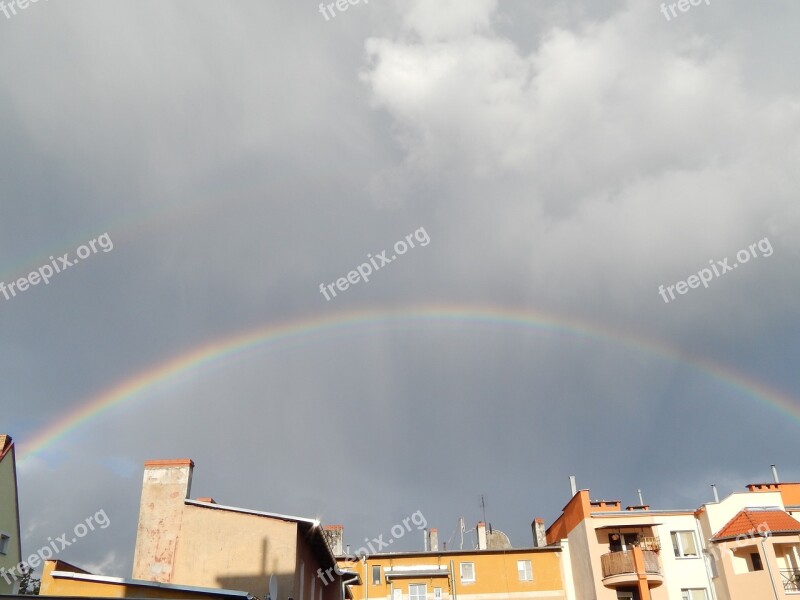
683,544
524,570
437,593
397,594
467,572
755,558
5,541
695,594
376,575
417,591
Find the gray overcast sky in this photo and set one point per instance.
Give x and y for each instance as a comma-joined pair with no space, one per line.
564,159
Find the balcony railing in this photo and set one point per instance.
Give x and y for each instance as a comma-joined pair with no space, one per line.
619,563
791,580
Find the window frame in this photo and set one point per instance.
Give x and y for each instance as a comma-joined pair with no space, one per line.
461,572
691,593
678,549
416,587
376,580
5,543
526,572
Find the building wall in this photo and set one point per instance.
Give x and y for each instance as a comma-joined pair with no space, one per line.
9,513
496,575
583,571
237,551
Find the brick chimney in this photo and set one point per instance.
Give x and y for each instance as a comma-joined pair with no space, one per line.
334,535
481,528
539,533
433,539
165,486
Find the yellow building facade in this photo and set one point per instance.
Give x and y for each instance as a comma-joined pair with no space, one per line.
480,574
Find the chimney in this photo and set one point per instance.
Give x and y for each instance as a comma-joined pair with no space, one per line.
481,529
539,533
165,487
433,538
716,495
334,535
425,540
775,474
572,485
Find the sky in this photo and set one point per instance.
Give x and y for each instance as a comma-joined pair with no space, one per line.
553,164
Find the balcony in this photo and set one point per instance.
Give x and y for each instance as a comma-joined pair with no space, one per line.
790,578
619,568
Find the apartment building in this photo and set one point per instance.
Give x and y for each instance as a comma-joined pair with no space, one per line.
202,543
632,554
491,571
10,548
753,542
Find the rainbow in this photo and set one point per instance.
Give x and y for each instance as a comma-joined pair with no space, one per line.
212,352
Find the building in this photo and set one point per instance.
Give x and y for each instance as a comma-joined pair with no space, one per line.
64,580
633,554
202,543
492,571
753,542
10,545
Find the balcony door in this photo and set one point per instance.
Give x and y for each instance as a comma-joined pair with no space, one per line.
623,541
628,593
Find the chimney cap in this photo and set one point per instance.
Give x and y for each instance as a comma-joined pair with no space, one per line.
174,462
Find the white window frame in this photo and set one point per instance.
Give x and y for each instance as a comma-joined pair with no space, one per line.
676,536
437,593
525,570
376,580
461,572
691,594
5,542
397,594
416,587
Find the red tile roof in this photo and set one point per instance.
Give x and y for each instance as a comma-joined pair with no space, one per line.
754,522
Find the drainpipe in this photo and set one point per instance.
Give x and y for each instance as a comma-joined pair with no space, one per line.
769,568
344,583
453,578
366,581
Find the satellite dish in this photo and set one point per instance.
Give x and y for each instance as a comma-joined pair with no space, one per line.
273,588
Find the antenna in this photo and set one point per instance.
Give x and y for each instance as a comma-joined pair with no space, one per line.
483,507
